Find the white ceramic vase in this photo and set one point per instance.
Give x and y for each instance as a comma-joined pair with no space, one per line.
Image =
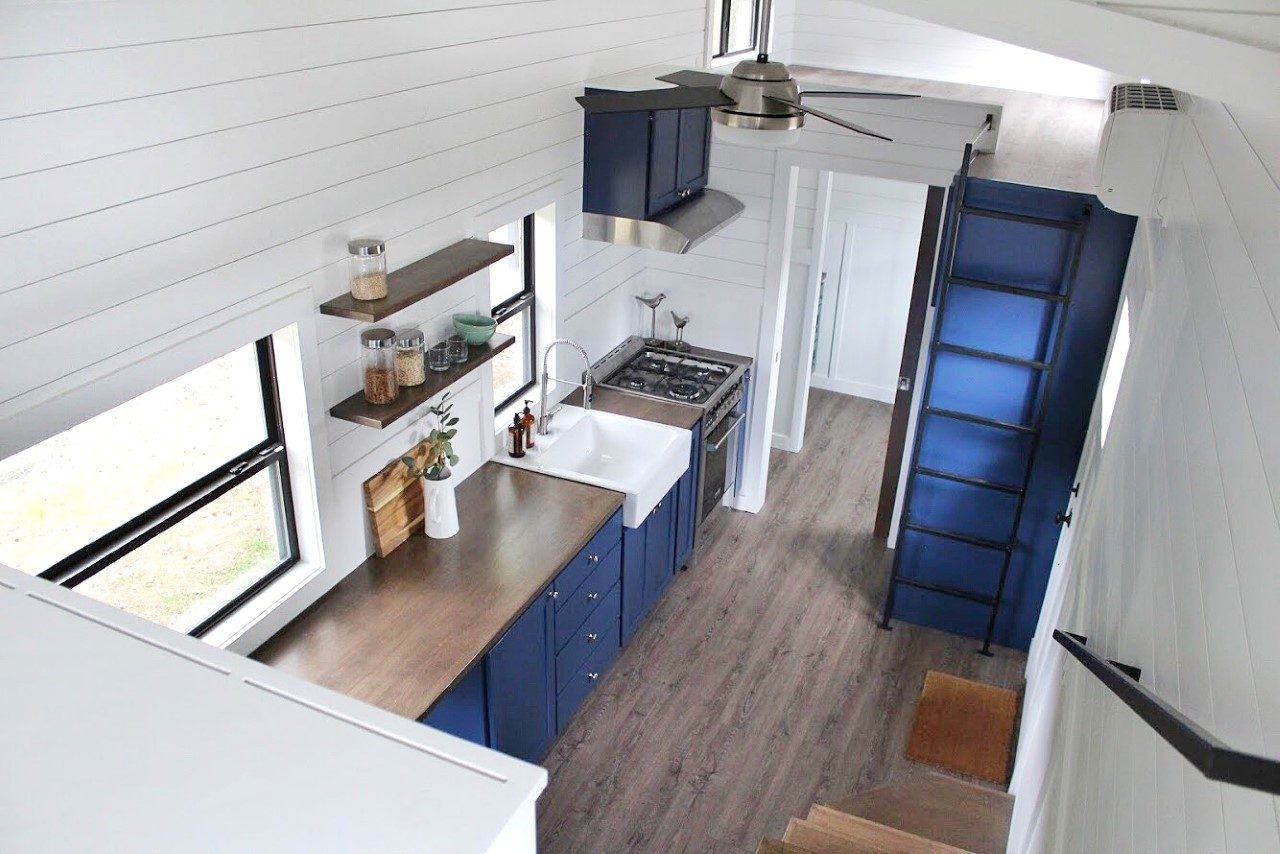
440,510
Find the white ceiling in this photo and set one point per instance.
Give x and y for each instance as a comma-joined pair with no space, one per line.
1251,22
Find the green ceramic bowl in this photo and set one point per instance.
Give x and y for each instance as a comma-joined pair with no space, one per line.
474,328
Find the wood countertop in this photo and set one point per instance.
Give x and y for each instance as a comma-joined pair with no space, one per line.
644,408
398,632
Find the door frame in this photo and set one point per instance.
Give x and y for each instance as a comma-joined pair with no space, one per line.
912,345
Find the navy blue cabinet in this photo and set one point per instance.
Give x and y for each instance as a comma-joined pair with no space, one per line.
686,502
463,710
648,562
639,164
518,675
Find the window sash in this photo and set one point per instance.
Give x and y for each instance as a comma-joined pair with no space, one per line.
523,301
95,557
722,45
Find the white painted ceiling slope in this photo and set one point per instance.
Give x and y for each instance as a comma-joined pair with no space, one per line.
1203,50
1250,22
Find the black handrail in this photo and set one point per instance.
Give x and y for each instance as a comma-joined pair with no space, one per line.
1213,758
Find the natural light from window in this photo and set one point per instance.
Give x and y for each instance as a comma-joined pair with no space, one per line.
1115,369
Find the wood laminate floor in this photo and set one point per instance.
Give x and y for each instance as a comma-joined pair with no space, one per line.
760,683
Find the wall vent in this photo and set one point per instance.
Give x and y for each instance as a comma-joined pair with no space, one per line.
1142,96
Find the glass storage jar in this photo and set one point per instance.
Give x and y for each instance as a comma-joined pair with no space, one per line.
438,357
368,268
410,350
378,345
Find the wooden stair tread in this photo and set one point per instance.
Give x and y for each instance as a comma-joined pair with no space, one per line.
935,806
778,846
873,835
812,838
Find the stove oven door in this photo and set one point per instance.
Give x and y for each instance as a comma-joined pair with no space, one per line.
719,451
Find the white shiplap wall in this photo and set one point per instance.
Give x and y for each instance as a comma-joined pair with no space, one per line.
852,36
1173,563
165,167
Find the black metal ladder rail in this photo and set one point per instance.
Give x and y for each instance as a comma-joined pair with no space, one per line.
1044,388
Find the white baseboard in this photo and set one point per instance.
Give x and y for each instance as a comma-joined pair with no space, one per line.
784,442
856,388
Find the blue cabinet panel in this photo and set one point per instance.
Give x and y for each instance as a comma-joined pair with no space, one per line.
518,670
461,711
659,550
695,133
581,683
634,606
602,627
574,611
686,508
616,161
664,166
587,560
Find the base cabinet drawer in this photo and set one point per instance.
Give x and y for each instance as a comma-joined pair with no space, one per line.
589,596
602,628
584,680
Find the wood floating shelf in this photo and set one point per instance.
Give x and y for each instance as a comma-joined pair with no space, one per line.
360,411
420,280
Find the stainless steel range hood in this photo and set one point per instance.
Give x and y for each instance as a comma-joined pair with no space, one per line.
676,229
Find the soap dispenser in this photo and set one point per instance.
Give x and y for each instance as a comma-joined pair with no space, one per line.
529,423
515,437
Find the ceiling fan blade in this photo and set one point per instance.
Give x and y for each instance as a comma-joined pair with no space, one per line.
692,78
671,98
827,117
850,93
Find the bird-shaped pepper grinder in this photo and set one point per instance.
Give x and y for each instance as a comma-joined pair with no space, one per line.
679,321
653,303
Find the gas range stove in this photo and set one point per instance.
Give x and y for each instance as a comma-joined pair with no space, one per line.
707,379
675,376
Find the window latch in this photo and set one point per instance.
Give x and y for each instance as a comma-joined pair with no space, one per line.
238,467
272,449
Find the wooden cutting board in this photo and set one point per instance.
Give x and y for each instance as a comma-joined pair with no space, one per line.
394,500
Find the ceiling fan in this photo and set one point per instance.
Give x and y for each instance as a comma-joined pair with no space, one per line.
757,95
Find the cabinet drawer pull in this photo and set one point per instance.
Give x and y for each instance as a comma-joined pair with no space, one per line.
591,597
554,594
593,637
593,676
593,559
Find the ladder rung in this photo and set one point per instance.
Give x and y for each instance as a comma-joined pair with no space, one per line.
993,356
978,419
1016,290
971,481
1065,224
981,542
980,598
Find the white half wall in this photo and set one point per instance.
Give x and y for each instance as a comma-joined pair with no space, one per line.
1172,565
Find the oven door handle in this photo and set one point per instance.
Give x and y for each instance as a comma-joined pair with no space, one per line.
712,447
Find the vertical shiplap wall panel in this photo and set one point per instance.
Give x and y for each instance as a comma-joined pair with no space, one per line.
1179,525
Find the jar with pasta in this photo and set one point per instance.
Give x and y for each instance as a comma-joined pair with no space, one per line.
378,346
368,268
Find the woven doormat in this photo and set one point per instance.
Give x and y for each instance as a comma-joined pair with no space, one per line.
964,726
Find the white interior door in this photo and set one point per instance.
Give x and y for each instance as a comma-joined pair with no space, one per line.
839,237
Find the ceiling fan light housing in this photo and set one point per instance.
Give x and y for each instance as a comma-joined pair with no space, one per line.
752,85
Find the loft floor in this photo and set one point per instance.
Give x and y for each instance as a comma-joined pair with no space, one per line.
760,683
1045,140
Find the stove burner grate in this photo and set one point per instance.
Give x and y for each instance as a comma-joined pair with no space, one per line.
684,390
633,381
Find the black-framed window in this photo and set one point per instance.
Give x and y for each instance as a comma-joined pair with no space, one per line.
512,294
174,505
735,24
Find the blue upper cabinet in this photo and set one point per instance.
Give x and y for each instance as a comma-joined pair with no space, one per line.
518,673
639,164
